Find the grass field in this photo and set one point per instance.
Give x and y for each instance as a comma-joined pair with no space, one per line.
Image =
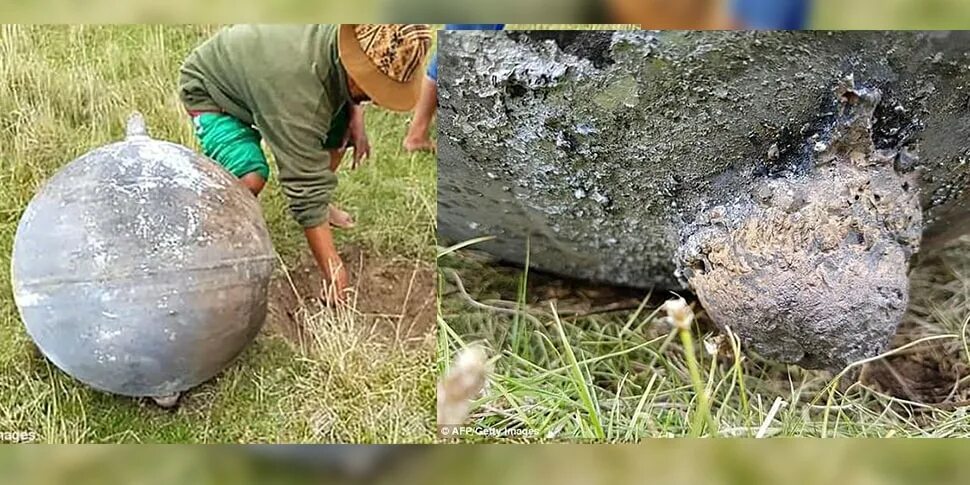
573,369
576,362
66,90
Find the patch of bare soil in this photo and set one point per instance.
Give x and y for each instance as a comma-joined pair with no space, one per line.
495,289
931,373
575,297
934,372
394,298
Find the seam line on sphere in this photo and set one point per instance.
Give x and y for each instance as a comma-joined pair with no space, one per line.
53,281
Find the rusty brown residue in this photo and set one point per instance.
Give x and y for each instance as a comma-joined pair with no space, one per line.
812,268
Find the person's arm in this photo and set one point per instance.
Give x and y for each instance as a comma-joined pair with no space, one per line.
356,137
320,239
308,183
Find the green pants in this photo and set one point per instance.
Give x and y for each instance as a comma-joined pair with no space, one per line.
236,145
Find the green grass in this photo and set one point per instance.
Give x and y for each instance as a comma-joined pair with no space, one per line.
890,14
628,375
66,90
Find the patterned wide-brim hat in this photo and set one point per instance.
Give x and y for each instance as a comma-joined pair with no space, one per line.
386,61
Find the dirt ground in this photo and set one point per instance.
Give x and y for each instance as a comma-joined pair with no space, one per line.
395,299
927,374
572,297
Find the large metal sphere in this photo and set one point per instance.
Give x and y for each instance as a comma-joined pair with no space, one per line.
142,268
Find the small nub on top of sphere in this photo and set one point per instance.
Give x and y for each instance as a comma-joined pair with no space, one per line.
136,126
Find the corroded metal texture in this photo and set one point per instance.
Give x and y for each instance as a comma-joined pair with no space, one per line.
813,269
728,162
601,145
142,268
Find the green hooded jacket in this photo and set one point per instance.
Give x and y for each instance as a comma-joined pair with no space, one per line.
288,82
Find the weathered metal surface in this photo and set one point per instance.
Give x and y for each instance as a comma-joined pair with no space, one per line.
813,269
617,153
142,268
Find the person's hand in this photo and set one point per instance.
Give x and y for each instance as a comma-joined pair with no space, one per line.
328,260
341,282
356,136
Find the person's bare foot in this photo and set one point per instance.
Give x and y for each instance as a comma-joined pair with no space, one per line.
340,219
415,144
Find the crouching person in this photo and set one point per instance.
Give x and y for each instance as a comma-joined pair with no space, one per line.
300,88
